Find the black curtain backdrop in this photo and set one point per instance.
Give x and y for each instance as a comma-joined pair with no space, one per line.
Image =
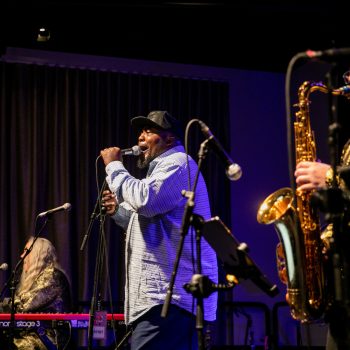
53,123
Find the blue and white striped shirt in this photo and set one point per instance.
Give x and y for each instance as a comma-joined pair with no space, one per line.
151,210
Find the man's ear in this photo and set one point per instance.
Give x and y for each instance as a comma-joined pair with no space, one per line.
170,140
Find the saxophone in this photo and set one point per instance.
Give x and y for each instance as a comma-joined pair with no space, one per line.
297,223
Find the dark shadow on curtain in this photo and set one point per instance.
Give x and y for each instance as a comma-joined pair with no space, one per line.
53,123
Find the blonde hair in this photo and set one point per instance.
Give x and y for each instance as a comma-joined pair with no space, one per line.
42,255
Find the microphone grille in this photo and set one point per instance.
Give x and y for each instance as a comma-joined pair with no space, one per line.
234,172
136,150
67,206
4,266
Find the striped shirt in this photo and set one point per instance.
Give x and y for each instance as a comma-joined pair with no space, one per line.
150,211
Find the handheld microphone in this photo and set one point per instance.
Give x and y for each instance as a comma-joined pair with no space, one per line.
65,206
133,151
233,170
4,267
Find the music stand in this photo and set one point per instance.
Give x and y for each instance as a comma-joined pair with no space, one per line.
234,255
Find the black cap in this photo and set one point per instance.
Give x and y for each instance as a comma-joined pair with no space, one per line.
160,120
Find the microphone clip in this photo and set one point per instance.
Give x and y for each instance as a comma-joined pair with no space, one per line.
203,149
201,286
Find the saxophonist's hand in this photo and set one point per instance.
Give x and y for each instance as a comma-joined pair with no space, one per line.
310,175
109,202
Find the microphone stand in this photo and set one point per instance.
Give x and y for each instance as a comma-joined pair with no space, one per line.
332,201
188,219
99,211
96,296
94,215
335,206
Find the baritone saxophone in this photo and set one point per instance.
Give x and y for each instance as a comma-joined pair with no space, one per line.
297,223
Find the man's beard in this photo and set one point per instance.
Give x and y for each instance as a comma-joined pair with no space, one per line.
143,163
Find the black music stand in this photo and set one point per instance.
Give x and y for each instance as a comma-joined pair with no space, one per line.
235,259
234,255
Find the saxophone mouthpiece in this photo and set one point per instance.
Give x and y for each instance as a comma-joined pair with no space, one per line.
344,90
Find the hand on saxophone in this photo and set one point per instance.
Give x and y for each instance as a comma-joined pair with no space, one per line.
109,202
310,175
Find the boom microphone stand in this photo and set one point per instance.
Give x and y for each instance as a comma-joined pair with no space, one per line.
200,285
188,219
233,255
334,202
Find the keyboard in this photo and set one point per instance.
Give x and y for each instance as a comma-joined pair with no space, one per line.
51,320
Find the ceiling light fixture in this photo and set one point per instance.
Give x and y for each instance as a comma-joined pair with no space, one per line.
43,34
